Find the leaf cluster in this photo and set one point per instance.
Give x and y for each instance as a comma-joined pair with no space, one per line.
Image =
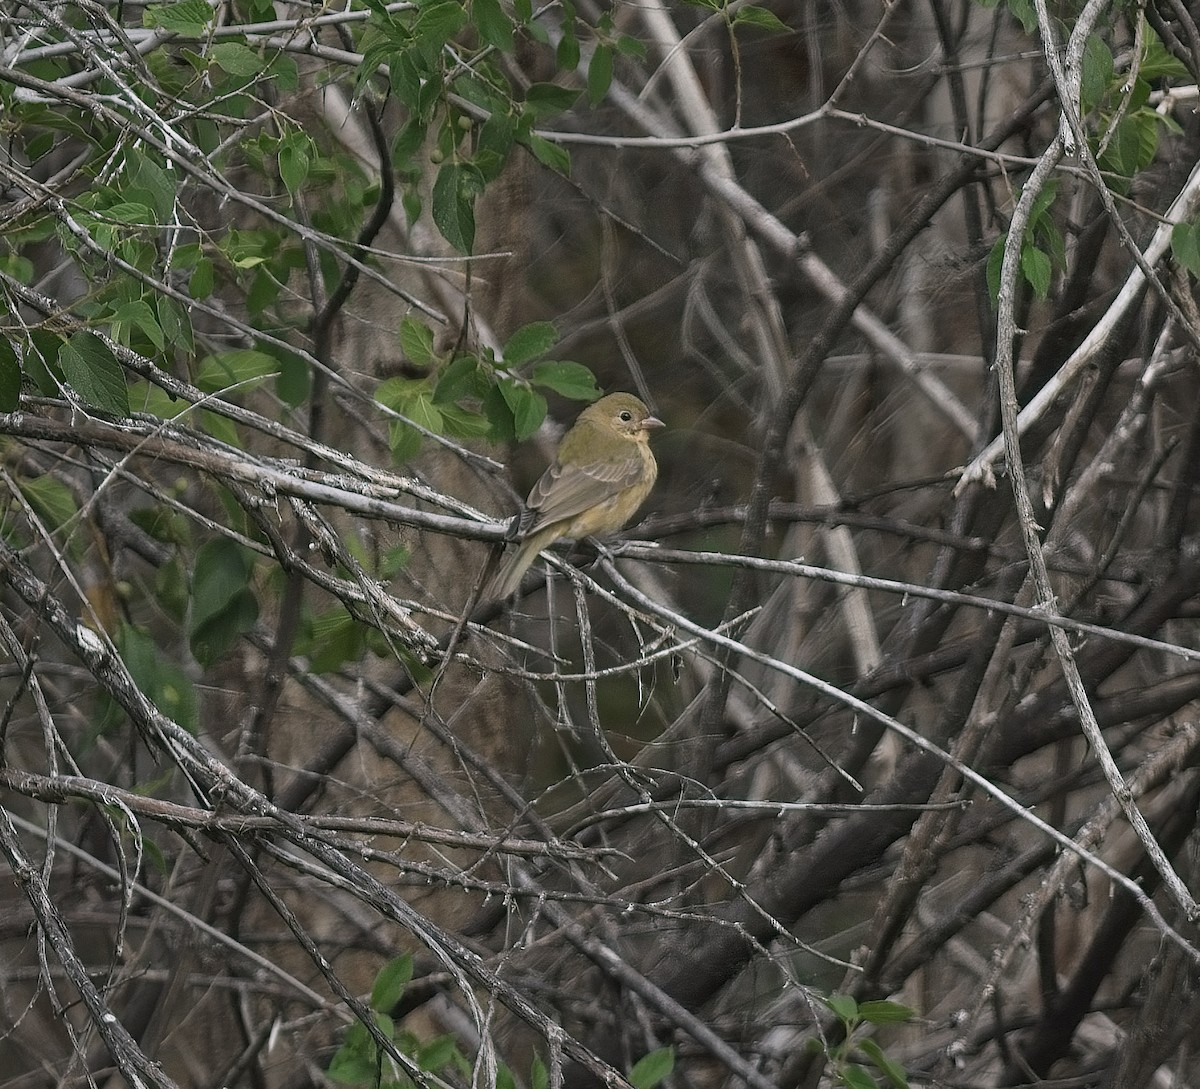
1124,135
465,116
360,1061
1125,128
490,395
856,1048
1042,249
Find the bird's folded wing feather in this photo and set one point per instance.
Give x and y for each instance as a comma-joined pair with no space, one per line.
565,491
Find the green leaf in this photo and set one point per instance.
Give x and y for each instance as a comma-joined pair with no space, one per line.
163,682
568,379
284,71
416,342
18,267
1036,268
550,154
414,399
1185,246
220,427
1157,62
394,977
1138,96
154,401
651,1069
155,855
93,372
296,152
223,605
404,441
499,415
137,314
1132,144
753,15
892,1070
151,185
885,1012
294,383
237,59
1096,75
248,249
408,144
479,92
175,324
547,99
1043,202
104,226
406,82
600,74
1024,12
437,1053
202,281
463,423
238,368
354,1062
335,638
221,571
263,291
424,413
844,1007
411,200
41,362
458,380
489,163
454,194
411,397
856,1077
189,17
168,526
539,1076
1149,127
493,25
1051,240
10,377
528,343
528,408
437,23
630,47
50,499
496,135
566,56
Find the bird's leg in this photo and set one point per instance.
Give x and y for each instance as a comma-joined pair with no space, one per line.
515,529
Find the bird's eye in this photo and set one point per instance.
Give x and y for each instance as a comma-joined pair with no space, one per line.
626,416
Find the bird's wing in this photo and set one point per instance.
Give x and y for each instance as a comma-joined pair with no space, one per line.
565,491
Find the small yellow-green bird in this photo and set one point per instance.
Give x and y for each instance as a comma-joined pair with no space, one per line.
602,473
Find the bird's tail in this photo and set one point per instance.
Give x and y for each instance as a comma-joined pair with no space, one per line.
508,579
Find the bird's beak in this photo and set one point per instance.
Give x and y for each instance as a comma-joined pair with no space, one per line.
652,423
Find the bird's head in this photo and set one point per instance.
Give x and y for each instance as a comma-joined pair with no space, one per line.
626,414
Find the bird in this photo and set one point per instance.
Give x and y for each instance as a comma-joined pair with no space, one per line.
602,473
